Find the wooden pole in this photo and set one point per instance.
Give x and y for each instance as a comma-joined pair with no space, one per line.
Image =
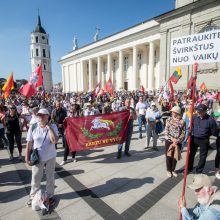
190,130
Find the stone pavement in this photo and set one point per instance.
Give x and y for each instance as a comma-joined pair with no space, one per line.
99,186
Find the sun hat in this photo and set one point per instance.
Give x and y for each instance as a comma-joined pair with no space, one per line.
43,111
176,109
199,181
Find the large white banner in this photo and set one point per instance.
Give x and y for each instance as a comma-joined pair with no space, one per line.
196,48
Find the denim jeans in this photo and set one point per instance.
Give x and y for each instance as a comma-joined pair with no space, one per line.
128,141
141,121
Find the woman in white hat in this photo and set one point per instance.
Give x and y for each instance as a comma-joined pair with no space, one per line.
174,136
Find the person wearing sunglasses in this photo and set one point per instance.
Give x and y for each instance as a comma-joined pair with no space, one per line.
13,131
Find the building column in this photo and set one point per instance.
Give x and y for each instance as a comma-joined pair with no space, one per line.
83,77
144,71
99,72
120,67
151,66
90,75
134,72
109,66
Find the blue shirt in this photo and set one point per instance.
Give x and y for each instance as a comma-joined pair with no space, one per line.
200,212
204,127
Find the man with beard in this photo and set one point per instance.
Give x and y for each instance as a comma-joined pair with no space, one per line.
208,198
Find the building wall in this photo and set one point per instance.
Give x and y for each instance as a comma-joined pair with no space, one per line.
182,23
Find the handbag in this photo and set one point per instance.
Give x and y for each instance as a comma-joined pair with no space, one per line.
34,155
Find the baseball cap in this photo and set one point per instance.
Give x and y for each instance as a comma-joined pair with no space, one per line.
201,108
43,111
176,109
199,181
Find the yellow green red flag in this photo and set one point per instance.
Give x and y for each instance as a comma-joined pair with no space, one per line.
9,85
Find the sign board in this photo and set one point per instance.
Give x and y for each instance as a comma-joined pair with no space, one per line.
197,48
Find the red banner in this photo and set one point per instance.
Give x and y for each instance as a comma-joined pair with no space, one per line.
93,131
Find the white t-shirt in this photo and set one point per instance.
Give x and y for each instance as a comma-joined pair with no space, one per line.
46,149
141,108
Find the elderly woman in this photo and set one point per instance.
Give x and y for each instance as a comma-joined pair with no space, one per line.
13,131
43,137
174,136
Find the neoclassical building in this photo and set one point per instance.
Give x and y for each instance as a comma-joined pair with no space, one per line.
140,55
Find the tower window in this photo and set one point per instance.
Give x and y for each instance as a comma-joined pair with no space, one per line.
43,37
36,39
37,53
44,66
44,53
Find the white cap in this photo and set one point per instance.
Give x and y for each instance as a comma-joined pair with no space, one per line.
43,111
199,181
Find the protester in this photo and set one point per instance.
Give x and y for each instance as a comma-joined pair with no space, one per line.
13,131
57,116
141,111
217,157
174,136
3,140
88,110
208,197
152,117
203,126
133,117
73,113
42,137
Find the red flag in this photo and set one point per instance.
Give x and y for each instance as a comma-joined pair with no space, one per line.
109,86
9,85
203,87
142,89
101,92
171,90
97,89
27,90
190,83
40,76
85,133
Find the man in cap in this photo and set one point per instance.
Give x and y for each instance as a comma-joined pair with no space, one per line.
208,198
203,126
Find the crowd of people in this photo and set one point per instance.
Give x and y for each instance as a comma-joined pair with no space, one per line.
155,111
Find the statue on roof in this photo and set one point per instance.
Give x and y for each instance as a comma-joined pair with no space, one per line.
75,43
96,37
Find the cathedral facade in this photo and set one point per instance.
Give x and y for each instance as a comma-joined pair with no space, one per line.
140,55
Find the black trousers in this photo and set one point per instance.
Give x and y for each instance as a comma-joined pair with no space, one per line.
217,157
67,151
203,145
17,136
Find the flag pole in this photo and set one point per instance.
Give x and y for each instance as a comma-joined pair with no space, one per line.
190,131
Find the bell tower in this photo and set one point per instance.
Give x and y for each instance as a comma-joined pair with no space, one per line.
40,54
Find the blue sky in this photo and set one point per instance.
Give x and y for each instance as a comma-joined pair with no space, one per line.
63,19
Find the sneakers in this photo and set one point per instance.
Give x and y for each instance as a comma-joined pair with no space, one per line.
174,174
51,201
11,157
63,163
74,160
140,136
29,202
169,174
